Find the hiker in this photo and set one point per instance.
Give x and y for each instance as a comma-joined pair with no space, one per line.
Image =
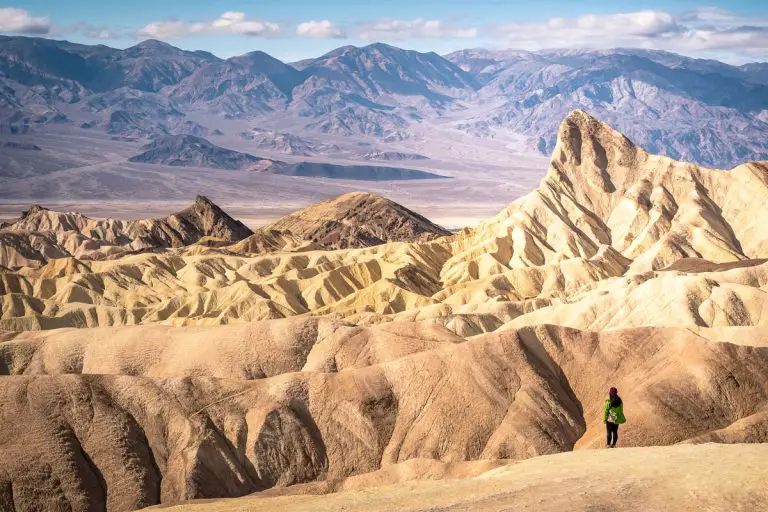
613,416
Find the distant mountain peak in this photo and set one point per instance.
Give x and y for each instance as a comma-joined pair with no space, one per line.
152,43
358,219
337,51
383,46
153,46
256,54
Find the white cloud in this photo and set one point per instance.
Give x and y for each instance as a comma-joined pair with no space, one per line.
230,22
704,30
413,29
164,29
101,33
319,29
591,30
236,23
748,40
709,15
19,21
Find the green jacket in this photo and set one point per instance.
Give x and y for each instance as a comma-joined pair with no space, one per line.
616,414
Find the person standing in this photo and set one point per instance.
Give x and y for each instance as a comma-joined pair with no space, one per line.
613,416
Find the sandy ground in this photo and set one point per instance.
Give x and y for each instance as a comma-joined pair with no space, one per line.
680,478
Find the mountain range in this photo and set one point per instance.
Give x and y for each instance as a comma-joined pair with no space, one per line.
699,110
352,220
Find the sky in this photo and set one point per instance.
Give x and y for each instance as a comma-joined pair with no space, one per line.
734,31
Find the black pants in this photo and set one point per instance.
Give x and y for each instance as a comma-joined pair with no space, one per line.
613,433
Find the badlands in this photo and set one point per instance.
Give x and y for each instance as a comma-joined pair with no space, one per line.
356,356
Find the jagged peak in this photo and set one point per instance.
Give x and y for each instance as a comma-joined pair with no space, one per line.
35,208
204,202
586,123
583,136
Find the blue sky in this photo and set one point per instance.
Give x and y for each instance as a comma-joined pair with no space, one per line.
735,31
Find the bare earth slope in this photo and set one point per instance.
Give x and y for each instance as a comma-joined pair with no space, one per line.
162,427
41,234
359,220
203,361
592,247
684,478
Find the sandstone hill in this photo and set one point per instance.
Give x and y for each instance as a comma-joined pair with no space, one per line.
595,246
278,364
357,220
40,234
154,414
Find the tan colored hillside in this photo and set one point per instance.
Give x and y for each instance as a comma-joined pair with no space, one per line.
587,249
230,365
169,413
358,220
41,235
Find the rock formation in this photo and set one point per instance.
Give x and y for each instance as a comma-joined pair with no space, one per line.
158,414
40,234
359,220
593,247
311,357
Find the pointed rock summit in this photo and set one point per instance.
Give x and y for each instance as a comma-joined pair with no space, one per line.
592,153
209,220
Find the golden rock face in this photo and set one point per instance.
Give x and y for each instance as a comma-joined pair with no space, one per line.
161,361
606,209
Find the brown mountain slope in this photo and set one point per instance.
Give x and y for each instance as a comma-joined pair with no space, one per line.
416,392
358,219
41,234
265,241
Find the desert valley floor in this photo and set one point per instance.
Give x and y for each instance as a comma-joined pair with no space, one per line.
358,355
90,172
